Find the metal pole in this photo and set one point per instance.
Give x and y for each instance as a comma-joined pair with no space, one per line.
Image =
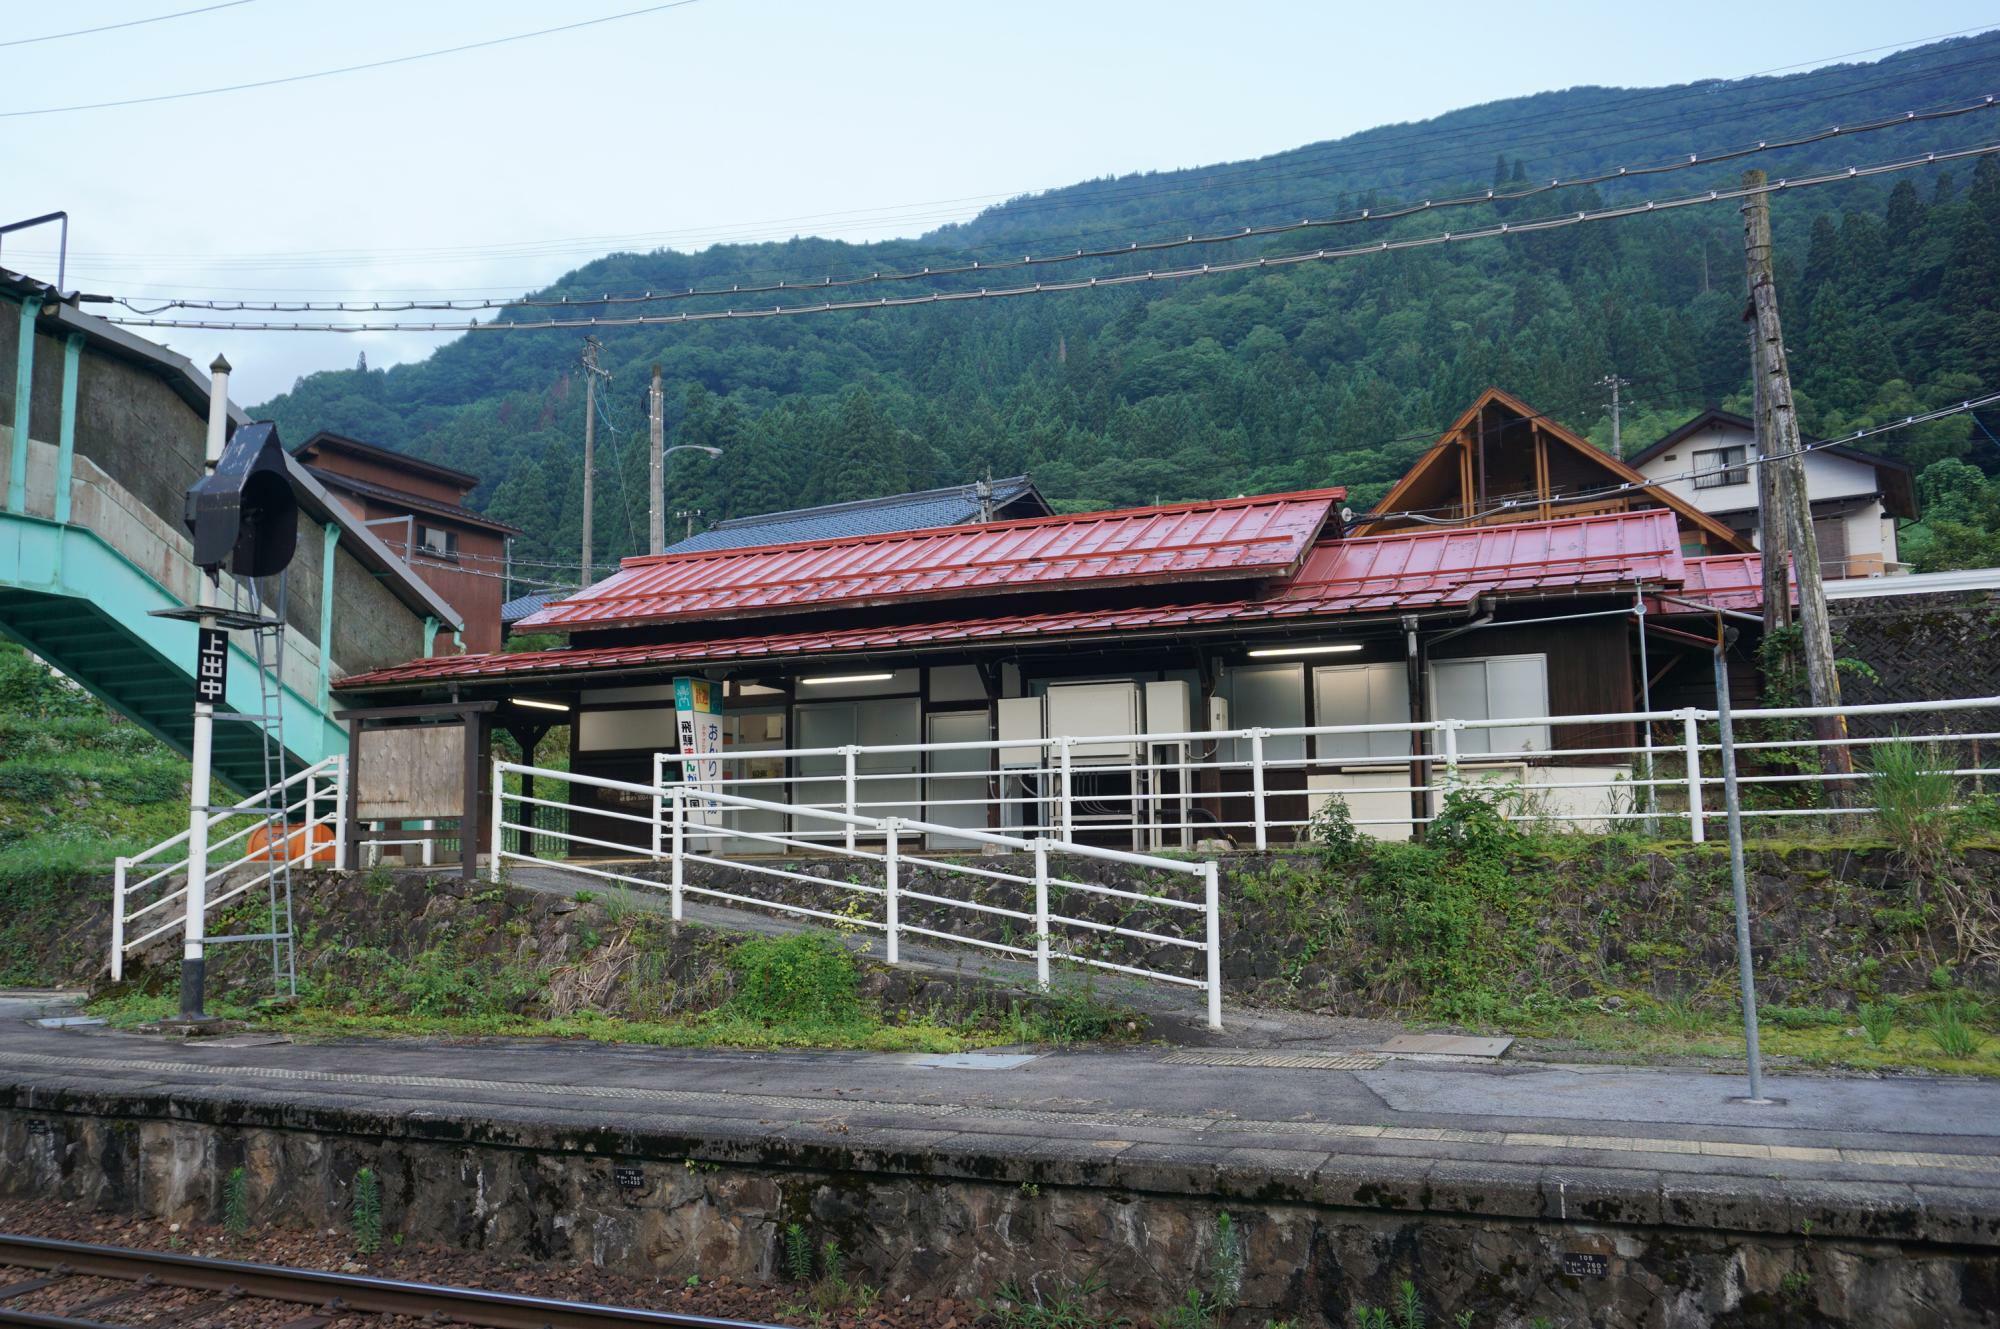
656,516
1042,912
1745,971
340,812
847,799
1646,704
889,874
680,841
589,449
118,919
499,815
194,905
1068,822
1213,890
1257,788
1696,829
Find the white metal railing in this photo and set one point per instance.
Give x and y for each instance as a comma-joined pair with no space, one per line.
1262,785
146,903
678,833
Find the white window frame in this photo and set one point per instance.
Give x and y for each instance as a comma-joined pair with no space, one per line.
1480,742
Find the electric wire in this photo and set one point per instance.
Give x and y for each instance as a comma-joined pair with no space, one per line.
1394,212
129,23
1246,265
345,69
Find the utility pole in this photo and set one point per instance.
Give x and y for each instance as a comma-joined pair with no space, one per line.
1614,382
1793,514
590,376
691,515
656,525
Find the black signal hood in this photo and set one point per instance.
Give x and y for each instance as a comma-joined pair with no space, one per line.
245,515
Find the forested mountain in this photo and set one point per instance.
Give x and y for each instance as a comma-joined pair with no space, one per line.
1321,372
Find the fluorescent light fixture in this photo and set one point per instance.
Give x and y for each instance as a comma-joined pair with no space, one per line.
830,679
1341,649
539,705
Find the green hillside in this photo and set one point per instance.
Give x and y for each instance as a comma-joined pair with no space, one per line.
1331,372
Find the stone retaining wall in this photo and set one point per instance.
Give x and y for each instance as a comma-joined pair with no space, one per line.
1505,1242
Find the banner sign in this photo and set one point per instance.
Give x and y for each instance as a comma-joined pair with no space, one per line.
211,667
698,708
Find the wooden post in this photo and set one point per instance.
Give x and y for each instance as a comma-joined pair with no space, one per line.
1816,638
1773,539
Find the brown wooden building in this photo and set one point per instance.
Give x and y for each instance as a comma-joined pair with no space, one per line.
418,509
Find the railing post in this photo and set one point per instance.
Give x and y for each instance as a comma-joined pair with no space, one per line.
890,870
118,919
848,755
1067,820
1257,788
340,812
1450,730
1212,888
1697,831
659,815
679,878
1042,912
493,858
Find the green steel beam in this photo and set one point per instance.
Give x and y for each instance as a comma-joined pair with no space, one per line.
66,437
24,393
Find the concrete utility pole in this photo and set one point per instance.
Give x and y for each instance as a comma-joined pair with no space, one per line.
590,374
1614,382
1793,514
656,525
207,596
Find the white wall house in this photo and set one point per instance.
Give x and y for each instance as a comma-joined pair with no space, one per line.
1857,499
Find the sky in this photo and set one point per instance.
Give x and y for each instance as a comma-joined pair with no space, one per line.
494,171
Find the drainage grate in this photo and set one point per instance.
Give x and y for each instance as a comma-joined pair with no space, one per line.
1290,1061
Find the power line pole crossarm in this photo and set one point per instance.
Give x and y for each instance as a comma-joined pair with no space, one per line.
1787,490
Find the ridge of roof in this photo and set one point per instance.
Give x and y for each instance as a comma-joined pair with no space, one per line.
1333,493
452,511
342,443
1716,415
1014,484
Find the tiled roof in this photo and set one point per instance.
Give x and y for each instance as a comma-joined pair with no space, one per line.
953,505
521,606
1379,575
414,502
1239,538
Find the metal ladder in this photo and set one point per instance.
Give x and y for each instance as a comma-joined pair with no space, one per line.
253,611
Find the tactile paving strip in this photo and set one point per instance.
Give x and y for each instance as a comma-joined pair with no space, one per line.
1290,1061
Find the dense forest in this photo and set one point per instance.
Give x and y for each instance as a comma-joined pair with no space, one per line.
1316,373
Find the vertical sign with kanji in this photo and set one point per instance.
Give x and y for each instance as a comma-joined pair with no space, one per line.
211,666
698,707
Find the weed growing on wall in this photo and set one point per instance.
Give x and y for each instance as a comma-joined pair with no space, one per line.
800,977
366,1216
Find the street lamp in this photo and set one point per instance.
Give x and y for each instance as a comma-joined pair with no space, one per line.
693,447
657,503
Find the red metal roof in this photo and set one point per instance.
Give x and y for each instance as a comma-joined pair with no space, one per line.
1727,581
1381,574
1242,538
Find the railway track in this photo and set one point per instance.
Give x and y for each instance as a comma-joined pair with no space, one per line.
47,1284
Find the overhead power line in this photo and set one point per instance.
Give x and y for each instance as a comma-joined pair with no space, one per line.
1265,263
1393,212
344,69
129,23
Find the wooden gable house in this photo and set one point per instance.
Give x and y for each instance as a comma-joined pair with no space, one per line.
1503,461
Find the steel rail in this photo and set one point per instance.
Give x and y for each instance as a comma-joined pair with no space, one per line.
341,1293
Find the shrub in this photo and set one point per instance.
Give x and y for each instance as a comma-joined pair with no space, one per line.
800,977
1916,798
1333,831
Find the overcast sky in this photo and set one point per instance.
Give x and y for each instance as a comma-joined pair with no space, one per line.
494,171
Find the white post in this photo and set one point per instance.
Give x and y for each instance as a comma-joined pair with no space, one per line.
680,840
1067,821
340,812
847,799
429,851
1697,830
889,873
659,814
1257,788
499,815
1042,912
118,920
194,905
1448,730
1213,889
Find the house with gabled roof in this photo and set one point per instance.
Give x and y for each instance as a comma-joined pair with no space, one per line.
1503,461
1856,497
